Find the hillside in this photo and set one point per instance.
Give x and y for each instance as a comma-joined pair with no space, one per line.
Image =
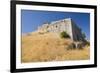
39,47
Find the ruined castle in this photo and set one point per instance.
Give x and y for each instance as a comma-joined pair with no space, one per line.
66,25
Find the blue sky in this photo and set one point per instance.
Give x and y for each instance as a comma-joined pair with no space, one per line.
31,19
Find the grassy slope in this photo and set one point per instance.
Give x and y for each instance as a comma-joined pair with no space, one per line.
49,47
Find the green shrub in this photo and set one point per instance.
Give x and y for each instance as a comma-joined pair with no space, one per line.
71,47
64,35
88,43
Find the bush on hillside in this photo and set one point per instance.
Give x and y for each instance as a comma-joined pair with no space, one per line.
64,35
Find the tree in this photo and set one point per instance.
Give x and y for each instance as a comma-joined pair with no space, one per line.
83,34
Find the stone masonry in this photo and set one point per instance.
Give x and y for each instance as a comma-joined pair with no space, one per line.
66,25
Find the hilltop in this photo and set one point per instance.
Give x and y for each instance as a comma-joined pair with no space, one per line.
40,47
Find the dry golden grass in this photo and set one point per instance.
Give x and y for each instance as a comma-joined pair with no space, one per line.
39,47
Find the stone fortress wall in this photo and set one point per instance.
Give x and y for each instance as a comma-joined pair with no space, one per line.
66,25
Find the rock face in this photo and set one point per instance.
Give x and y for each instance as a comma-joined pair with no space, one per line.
66,25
